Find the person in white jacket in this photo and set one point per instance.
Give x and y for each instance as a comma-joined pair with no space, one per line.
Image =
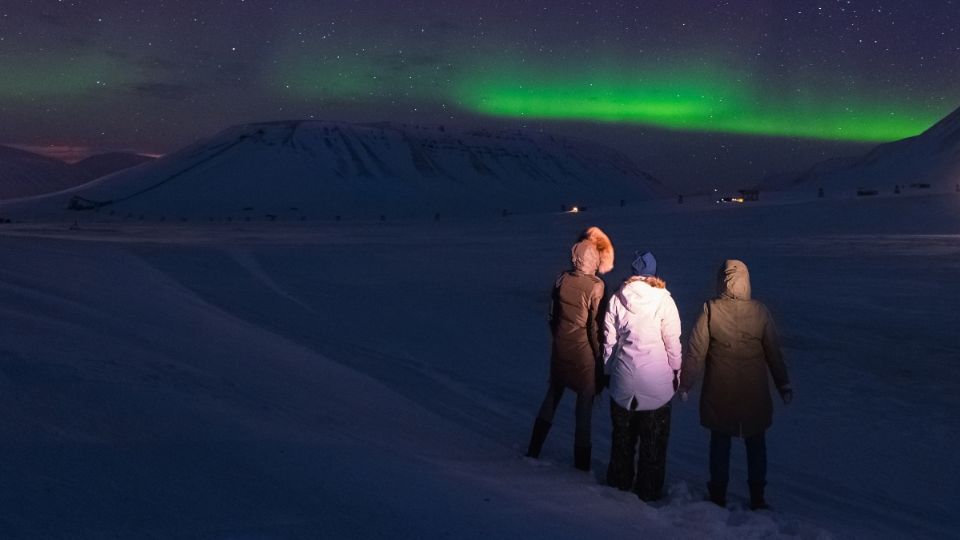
642,355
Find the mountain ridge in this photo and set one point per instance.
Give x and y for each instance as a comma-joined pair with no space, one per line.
292,167
929,160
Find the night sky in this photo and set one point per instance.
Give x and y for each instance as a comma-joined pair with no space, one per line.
726,88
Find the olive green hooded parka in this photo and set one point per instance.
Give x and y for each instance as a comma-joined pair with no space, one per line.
735,343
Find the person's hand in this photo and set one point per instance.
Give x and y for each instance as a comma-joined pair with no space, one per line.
786,395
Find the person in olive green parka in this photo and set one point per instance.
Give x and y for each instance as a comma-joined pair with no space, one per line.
736,346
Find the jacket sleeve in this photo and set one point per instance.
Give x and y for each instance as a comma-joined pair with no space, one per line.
670,333
610,325
593,319
773,354
697,346
552,315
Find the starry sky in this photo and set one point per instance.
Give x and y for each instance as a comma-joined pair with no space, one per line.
689,89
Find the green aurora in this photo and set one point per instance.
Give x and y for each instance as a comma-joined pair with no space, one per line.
37,75
695,99
704,102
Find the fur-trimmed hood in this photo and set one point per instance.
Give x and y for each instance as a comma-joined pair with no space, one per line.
593,252
638,291
653,281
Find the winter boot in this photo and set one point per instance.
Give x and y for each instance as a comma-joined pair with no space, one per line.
717,494
581,457
757,502
648,494
540,430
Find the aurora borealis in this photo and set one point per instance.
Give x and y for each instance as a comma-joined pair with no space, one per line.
156,75
692,103
704,100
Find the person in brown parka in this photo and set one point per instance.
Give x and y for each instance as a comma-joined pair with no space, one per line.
735,342
575,358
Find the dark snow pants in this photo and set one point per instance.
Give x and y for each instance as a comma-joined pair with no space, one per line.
584,413
652,429
720,458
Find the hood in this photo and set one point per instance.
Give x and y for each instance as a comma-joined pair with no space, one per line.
585,257
639,292
733,280
604,248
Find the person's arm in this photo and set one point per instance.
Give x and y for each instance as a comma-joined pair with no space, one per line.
696,353
553,317
774,357
593,319
610,325
670,333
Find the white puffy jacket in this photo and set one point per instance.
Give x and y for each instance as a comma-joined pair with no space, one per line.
641,344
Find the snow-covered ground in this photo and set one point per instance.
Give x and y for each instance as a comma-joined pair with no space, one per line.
379,380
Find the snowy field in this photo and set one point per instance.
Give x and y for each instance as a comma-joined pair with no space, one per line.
379,380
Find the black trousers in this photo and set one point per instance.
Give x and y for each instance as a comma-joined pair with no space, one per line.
644,434
720,458
584,412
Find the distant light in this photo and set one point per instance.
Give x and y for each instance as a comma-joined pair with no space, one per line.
574,209
730,200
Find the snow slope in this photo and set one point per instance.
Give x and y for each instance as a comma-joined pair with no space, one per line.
349,380
933,158
103,164
25,174
315,169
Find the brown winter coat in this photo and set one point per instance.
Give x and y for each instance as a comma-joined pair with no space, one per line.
735,340
575,314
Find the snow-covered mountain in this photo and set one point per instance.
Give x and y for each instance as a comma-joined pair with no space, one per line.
103,164
928,162
321,169
25,174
